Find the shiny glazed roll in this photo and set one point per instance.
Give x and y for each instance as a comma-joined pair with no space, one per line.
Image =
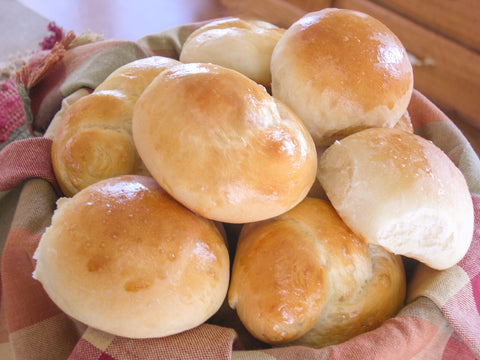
240,44
93,140
221,145
124,257
305,278
341,71
400,191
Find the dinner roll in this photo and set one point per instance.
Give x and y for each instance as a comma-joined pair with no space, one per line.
341,71
221,145
93,139
400,191
240,44
405,123
305,278
124,257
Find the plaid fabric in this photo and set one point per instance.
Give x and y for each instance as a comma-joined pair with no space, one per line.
441,319
12,115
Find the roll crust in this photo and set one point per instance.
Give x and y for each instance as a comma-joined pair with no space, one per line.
305,278
124,257
93,139
221,145
244,45
341,71
399,190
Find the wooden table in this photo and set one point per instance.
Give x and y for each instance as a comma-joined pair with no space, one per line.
130,20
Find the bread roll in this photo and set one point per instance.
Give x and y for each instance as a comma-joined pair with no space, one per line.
221,145
304,278
341,71
400,191
405,123
93,140
122,256
316,190
240,44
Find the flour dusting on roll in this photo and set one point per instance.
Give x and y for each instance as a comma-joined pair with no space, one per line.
399,190
341,71
124,257
221,145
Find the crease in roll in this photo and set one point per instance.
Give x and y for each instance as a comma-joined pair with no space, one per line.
304,278
93,138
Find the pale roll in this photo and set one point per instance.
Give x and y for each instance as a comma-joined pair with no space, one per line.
399,190
243,45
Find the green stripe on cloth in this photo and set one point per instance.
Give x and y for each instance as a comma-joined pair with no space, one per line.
96,68
30,343
168,42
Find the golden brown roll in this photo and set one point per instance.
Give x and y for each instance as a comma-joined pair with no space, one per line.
400,191
305,278
124,257
243,45
221,145
341,71
93,140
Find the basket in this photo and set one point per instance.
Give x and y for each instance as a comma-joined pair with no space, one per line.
441,317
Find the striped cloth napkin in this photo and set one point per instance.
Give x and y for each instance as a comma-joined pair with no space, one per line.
441,318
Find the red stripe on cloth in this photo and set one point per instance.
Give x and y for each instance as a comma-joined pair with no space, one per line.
462,314
202,342
476,291
12,114
463,309
105,357
471,262
456,349
26,303
85,350
399,338
25,159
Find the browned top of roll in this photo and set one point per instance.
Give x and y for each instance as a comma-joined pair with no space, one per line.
124,257
93,139
341,71
304,277
221,145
